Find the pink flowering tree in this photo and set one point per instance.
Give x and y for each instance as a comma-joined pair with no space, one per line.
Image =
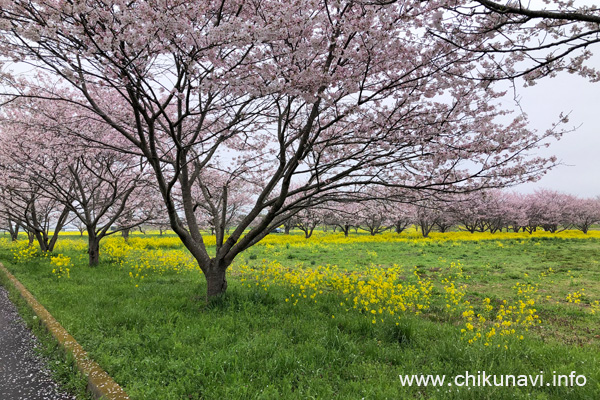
344,216
221,200
427,214
23,202
329,97
469,211
7,222
550,210
446,219
402,215
516,211
585,213
496,211
24,205
374,216
308,219
107,190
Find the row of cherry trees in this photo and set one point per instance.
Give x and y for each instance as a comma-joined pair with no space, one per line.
490,211
51,178
257,112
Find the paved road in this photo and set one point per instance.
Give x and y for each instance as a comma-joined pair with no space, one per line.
23,375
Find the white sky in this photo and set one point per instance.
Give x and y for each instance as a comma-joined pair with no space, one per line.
579,151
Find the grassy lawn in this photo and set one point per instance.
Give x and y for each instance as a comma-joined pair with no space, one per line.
293,323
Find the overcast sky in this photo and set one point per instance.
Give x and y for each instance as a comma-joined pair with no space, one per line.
579,151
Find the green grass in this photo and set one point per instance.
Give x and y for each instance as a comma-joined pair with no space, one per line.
162,341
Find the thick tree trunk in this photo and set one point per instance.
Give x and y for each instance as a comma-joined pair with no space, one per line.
346,230
425,229
93,250
216,281
125,234
399,227
42,241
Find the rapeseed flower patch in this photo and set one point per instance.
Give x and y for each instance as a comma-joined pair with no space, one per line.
61,266
384,295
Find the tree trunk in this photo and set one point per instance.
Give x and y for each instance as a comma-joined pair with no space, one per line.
31,237
308,233
93,249
287,226
216,282
42,240
125,233
13,230
425,229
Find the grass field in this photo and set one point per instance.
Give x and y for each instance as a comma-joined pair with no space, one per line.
331,317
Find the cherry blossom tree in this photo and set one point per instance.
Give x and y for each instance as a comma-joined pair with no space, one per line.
308,219
401,215
445,218
374,216
41,217
310,100
550,210
426,216
585,213
6,221
516,211
23,202
288,225
468,211
106,190
495,212
344,216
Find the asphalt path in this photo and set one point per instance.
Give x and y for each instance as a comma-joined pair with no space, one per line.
23,373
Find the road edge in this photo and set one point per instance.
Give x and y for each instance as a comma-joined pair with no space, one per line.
99,384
